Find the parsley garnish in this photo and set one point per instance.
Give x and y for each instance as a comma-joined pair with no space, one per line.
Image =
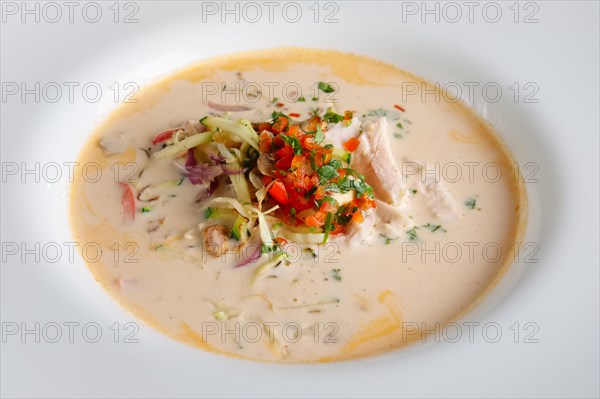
144,210
434,227
327,172
326,87
276,114
320,136
293,142
335,273
471,203
388,240
412,234
332,117
301,99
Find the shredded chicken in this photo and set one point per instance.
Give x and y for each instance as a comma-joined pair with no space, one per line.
216,239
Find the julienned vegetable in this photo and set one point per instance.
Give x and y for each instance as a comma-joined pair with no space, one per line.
128,202
308,187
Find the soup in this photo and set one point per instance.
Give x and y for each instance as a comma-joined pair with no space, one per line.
296,205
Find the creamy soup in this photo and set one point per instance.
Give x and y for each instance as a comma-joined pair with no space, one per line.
296,205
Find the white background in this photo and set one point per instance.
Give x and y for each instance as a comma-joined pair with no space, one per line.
558,53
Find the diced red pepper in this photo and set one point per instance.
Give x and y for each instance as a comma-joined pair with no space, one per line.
279,193
163,136
262,126
284,152
351,144
284,163
264,141
280,124
294,115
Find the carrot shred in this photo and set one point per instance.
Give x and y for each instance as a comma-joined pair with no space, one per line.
399,108
358,217
352,144
294,115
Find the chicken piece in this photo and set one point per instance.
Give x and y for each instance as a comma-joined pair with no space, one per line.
216,239
438,198
375,160
339,133
390,220
357,233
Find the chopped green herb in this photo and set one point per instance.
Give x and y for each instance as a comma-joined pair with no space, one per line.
145,210
434,227
326,173
301,99
310,251
412,234
276,114
208,212
387,239
327,226
332,117
399,125
326,87
293,142
320,136
471,203
377,112
315,99
274,100
293,212
413,191
335,273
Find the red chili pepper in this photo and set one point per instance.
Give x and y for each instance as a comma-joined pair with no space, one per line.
278,192
279,105
128,202
294,115
399,107
163,136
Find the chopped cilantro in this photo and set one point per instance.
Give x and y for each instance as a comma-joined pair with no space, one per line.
293,142
412,234
320,136
301,99
387,239
327,172
335,273
276,114
326,87
144,210
332,117
471,203
434,227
